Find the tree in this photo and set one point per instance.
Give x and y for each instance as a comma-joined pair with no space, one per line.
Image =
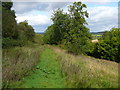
7,5
49,35
78,35
14,34
26,32
56,32
70,29
9,24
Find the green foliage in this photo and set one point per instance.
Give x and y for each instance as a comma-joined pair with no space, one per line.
109,46
8,42
78,36
9,24
14,34
7,5
69,29
56,32
26,32
49,35
39,39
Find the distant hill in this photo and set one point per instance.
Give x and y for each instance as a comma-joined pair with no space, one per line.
97,35
100,33
40,33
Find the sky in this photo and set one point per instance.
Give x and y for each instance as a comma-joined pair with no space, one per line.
102,15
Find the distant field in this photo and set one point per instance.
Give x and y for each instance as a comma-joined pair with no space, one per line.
96,36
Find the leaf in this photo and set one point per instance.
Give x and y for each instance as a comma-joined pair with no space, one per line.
83,5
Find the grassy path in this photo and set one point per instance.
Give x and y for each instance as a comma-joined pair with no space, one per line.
80,71
47,73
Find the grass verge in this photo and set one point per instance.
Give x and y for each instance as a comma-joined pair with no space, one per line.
86,72
18,61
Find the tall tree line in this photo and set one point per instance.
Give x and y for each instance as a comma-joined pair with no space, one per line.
13,33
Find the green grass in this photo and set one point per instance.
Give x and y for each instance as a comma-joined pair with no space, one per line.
46,74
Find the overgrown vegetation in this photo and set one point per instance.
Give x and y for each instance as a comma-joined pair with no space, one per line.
82,71
18,62
63,70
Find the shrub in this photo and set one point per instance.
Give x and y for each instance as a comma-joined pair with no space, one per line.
109,46
8,42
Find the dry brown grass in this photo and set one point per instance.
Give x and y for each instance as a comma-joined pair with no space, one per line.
85,71
18,61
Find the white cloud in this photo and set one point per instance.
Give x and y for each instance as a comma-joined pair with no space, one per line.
65,0
98,13
34,19
23,7
102,18
38,14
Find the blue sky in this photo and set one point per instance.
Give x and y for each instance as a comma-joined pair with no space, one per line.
96,4
102,15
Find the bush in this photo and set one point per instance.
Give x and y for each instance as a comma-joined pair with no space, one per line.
8,42
39,39
26,32
109,46
49,35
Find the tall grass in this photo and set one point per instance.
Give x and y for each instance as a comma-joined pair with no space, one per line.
86,72
18,61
